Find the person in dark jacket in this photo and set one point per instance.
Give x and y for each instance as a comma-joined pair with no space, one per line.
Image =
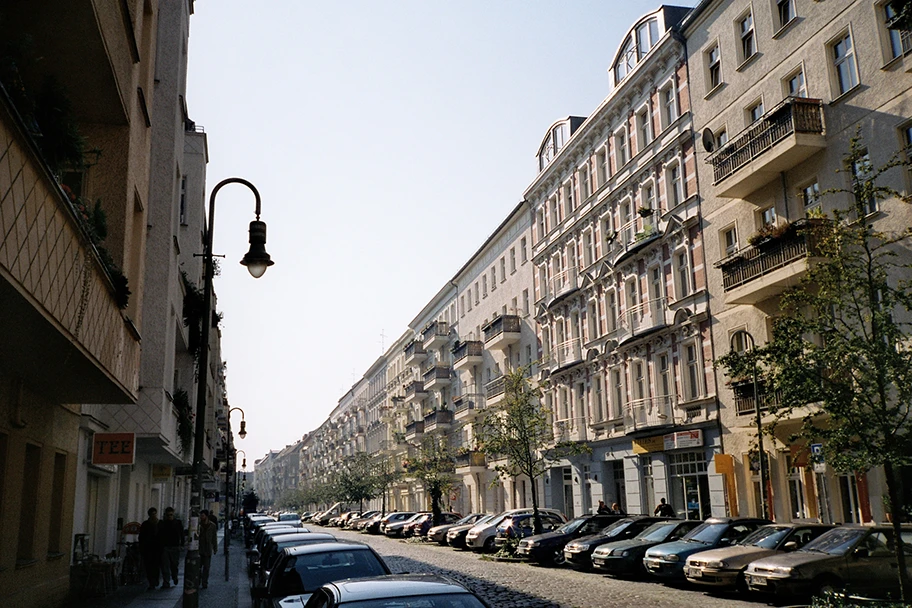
150,548
663,509
208,546
171,533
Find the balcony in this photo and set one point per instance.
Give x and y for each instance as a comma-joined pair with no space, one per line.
767,269
436,376
502,332
414,353
435,335
568,353
471,462
414,430
441,420
783,137
633,235
468,406
566,431
61,324
494,391
561,284
642,414
642,318
467,354
414,391
744,398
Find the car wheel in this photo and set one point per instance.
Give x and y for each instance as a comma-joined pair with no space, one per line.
559,559
826,585
488,545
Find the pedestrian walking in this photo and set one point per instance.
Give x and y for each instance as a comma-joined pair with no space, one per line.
150,548
663,509
208,546
602,508
616,509
171,533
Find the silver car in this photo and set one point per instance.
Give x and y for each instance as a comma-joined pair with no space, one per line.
481,536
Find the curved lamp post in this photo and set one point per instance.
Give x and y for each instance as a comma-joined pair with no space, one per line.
230,482
764,504
257,261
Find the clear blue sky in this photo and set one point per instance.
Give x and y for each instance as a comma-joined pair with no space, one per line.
388,140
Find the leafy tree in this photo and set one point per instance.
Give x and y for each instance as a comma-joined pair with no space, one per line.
843,344
433,465
250,502
355,482
519,430
903,20
384,474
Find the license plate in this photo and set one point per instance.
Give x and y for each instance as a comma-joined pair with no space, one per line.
694,572
756,580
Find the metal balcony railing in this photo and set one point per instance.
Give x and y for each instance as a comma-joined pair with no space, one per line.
471,459
434,329
414,388
472,348
650,412
798,242
793,115
413,349
500,325
468,401
436,371
495,387
568,352
562,283
642,317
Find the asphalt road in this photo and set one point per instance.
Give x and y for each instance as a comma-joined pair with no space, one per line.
523,585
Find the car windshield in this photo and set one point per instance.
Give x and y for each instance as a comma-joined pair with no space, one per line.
573,525
837,541
616,528
467,519
767,537
706,533
485,520
448,600
658,531
308,572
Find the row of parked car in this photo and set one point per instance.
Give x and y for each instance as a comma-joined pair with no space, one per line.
291,566
723,553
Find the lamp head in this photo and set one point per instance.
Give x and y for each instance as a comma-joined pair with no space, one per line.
256,259
243,432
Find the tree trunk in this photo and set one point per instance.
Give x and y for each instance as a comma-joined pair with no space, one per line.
896,509
536,516
435,505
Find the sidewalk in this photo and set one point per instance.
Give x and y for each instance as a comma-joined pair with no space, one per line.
234,593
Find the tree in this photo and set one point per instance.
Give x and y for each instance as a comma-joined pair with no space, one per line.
355,482
384,475
518,429
433,465
250,502
903,10
841,354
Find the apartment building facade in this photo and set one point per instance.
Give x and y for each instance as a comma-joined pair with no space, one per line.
778,90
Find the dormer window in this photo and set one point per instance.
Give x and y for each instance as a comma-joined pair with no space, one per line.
635,48
553,143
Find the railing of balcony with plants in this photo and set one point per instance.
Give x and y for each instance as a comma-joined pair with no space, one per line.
744,399
434,329
775,249
414,348
501,324
650,412
436,371
414,427
471,458
642,317
438,417
792,115
495,387
468,401
563,282
471,348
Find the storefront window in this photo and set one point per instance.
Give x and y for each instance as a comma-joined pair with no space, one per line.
689,485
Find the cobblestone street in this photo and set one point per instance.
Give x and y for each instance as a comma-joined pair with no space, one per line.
515,585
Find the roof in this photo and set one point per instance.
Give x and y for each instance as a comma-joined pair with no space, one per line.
327,547
315,536
393,585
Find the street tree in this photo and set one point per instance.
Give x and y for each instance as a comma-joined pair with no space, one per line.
434,466
903,11
518,430
383,475
840,358
354,480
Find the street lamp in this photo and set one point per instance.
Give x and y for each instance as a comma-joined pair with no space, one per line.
257,261
764,504
230,481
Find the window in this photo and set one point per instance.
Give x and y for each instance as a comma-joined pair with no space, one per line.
55,529
729,241
585,189
861,178
555,213
28,520
462,305
906,138
484,286
541,224
611,306
746,31
476,293
522,250
503,270
682,274
785,12
617,393
846,70
768,217
599,400
601,167
494,275
627,59
721,138
669,105
794,84
647,196
525,296
644,129
810,196
900,40
675,196
588,250
663,376
569,202
692,384
713,67
754,112
183,200
620,146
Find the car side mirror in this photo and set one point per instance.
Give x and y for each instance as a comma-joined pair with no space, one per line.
862,552
790,546
726,541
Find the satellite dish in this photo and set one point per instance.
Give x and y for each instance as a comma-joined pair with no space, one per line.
709,140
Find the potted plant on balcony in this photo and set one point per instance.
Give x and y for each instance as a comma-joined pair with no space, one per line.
645,211
769,234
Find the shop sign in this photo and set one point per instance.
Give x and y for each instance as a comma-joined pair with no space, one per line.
113,448
684,439
644,445
724,464
162,472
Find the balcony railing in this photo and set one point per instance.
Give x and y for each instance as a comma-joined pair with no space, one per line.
470,459
415,351
414,388
465,350
438,417
641,318
436,333
744,399
500,325
569,352
468,401
435,371
650,412
414,428
793,115
800,241
495,388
